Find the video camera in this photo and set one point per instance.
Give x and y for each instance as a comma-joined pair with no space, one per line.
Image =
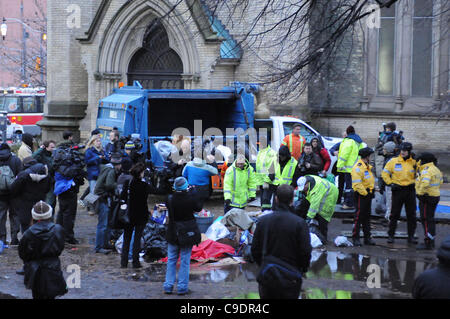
77,147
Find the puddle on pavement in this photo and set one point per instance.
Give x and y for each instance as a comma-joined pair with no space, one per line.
396,276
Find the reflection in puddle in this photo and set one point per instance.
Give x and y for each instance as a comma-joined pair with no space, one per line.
397,276
317,293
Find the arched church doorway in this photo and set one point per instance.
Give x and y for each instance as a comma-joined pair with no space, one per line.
156,65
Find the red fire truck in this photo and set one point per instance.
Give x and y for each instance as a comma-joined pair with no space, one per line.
24,108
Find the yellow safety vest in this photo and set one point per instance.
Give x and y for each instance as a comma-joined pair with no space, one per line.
285,177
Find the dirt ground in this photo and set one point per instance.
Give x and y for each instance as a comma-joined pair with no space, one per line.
334,272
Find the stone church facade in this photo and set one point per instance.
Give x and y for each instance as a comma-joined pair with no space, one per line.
95,44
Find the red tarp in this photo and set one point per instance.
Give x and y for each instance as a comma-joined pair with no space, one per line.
208,249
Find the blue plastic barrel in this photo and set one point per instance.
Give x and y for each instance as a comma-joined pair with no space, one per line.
204,223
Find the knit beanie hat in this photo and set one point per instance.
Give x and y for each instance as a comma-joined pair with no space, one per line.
180,184
41,211
389,147
130,145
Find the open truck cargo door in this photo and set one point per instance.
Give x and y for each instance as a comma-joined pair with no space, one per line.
171,109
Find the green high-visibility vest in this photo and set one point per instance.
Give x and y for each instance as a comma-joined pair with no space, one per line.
322,198
285,177
264,161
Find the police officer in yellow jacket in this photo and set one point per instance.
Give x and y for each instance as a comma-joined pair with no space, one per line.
239,185
363,184
400,174
428,183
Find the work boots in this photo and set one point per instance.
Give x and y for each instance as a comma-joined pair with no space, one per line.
427,245
356,242
369,241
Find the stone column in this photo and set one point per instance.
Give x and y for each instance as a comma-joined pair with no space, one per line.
67,85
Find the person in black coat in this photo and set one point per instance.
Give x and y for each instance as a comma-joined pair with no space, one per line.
182,205
40,248
287,239
434,283
31,185
138,213
6,204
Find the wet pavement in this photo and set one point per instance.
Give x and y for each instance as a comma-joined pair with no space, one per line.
335,273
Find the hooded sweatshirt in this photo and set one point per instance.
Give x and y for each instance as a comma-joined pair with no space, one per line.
32,184
355,137
198,173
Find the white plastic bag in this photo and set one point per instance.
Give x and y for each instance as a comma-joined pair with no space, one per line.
342,241
119,244
315,241
217,231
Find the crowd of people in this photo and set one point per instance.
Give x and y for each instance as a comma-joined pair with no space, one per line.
294,182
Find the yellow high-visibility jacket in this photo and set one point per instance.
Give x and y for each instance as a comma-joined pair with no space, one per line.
429,180
399,171
362,178
348,155
265,162
239,185
285,176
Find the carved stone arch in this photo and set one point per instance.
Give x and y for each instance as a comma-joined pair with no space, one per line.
121,40
156,65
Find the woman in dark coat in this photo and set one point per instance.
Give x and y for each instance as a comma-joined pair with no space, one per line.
40,248
138,213
30,186
182,205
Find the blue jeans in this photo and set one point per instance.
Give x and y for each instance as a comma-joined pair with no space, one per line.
92,184
102,225
183,274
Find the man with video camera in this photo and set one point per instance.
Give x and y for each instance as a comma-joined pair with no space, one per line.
69,170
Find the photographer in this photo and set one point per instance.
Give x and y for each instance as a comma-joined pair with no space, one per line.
310,163
113,145
69,176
